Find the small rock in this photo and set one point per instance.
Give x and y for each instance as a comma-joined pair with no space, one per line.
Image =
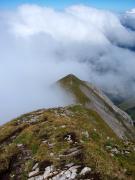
51,145
34,173
13,137
68,173
33,119
112,154
81,141
39,178
51,154
68,113
85,170
126,143
63,126
31,178
19,145
69,165
127,152
48,171
12,175
86,134
60,176
122,152
45,142
73,171
35,166
62,114
108,147
115,151
68,138
71,152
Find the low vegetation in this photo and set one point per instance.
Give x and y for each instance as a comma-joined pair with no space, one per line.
49,136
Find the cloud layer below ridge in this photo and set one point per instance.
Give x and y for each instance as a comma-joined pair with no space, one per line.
39,45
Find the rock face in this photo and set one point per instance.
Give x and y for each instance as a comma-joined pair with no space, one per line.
69,172
93,98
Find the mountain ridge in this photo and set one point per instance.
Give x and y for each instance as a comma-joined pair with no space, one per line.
64,143
91,97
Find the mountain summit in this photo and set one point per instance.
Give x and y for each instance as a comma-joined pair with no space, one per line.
92,139
93,98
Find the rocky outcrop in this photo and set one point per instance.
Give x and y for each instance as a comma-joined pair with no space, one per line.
68,172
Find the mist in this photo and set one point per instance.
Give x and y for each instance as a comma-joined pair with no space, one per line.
39,45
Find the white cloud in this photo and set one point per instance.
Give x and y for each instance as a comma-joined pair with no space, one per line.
129,19
40,45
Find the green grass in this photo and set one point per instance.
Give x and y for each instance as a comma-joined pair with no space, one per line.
6,156
72,84
81,120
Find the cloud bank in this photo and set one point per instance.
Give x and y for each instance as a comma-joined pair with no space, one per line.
129,19
39,45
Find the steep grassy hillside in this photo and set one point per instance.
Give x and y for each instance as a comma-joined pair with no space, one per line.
73,142
92,98
72,84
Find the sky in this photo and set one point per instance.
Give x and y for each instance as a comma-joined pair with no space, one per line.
115,5
41,44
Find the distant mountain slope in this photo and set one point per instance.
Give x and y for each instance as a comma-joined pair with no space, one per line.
63,144
131,112
91,97
129,106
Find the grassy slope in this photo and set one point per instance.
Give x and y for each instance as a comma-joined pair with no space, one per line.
91,133
72,84
52,125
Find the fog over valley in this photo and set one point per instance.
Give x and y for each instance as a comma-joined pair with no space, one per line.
40,45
